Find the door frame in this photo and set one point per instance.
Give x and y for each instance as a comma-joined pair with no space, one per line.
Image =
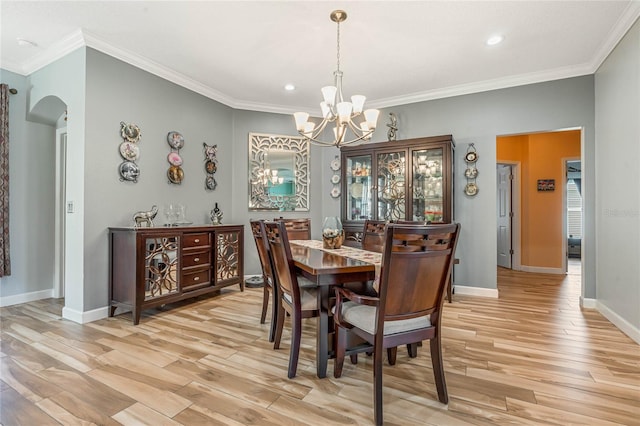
516,196
60,213
565,224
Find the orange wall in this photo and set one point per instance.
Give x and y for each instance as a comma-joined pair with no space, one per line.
541,156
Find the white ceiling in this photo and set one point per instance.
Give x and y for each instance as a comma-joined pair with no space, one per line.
242,53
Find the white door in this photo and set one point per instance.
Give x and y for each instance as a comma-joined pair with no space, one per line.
504,215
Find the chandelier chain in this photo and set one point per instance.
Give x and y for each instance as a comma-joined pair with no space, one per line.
338,49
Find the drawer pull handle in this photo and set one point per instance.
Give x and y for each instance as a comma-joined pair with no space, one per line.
197,259
196,278
197,240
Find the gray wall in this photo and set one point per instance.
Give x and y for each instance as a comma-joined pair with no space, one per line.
119,92
617,91
479,119
31,189
64,81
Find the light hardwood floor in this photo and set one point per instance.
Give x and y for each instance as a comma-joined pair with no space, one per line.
530,357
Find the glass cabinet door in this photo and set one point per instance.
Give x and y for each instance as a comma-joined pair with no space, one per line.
391,185
161,266
427,185
358,187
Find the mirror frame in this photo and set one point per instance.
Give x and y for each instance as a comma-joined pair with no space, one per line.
259,199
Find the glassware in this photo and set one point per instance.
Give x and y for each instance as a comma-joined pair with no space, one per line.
332,233
169,213
181,213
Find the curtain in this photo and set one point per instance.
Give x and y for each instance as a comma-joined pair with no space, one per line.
5,262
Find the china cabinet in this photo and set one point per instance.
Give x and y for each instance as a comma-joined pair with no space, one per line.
149,267
398,180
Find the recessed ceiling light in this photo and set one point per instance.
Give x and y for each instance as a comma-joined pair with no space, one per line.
26,43
492,41
289,87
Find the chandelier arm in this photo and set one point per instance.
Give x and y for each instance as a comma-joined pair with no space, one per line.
318,141
356,130
313,139
316,133
318,130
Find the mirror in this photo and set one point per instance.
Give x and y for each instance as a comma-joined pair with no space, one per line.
278,173
161,266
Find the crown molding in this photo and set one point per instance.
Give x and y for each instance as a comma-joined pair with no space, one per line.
157,69
485,86
81,38
624,24
54,52
13,67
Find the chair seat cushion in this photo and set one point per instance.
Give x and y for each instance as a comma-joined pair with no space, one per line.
364,317
309,298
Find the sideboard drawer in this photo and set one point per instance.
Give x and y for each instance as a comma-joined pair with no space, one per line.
195,279
195,240
195,258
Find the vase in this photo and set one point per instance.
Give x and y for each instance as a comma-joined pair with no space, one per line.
332,233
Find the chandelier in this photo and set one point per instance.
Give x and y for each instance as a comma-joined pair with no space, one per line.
336,110
269,177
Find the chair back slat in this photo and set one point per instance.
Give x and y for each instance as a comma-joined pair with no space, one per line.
416,264
259,236
373,235
297,229
277,238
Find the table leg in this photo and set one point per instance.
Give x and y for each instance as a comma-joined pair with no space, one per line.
322,346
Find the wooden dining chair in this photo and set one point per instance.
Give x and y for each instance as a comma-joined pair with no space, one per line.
416,264
455,261
296,300
297,229
373,235
270,288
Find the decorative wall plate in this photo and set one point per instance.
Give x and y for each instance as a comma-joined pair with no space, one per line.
210,166
471,189
335,164
210,151
335,192
335,179
210,183
130,132
175,140
129,171
174,159
129,151
175,174
471,173
471,157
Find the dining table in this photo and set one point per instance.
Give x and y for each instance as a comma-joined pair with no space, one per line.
329,268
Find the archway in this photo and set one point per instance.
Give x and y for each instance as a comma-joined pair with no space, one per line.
52,111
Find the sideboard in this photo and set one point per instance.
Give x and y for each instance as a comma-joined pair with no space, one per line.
153,266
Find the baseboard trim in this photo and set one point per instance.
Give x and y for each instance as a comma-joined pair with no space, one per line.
17,299
475,291
85,317
541,270
588,303
623,325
